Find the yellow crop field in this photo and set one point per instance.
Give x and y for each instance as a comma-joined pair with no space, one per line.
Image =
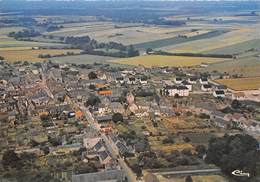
240,84
32,55
15,48
174,61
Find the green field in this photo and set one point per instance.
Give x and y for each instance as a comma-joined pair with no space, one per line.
10,42
237,48
178,40
83,59
88,59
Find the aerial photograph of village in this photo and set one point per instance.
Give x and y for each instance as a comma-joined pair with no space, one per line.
129,91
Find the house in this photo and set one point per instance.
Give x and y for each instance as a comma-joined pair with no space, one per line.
131,80
155,109
123,149
175,90
221,87
168,82
238,117
143,80
204,80
104,157
238,96
166,108
120,80
117,107
91,143
105,92
204,65
105,118
192,80
178,80
219,94
206,87
187,84
142,105
102,109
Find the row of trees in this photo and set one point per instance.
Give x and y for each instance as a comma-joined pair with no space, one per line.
52,28
24,34
150,51
91,46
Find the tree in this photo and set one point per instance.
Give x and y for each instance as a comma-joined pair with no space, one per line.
201,150
117,117
186,139
11,159
137,170
186,152
92,87
81,168
149,50
188,179
93,101
131,51
238,152
235,104
168,140
92,75
45,117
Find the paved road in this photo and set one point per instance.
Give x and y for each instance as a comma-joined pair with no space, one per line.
198,171
129,173
109,145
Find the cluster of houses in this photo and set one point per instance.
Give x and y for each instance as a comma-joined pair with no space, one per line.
183,87
50,97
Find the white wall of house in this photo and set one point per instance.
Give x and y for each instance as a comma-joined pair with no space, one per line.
218,95
182,93
205,89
